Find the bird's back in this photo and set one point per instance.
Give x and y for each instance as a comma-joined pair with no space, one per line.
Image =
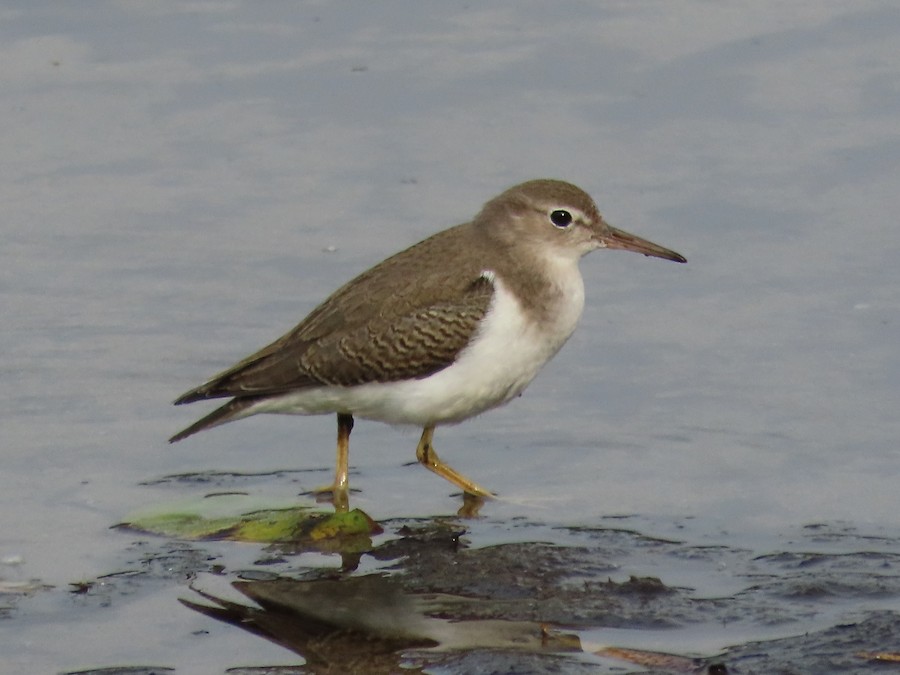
355,335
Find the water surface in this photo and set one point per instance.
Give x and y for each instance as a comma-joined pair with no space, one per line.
183,182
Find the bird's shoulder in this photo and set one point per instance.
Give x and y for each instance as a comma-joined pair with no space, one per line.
435,273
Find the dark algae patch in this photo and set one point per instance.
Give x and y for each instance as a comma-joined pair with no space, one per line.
431,601
464,595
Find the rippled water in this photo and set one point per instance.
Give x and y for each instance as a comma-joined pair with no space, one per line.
183,182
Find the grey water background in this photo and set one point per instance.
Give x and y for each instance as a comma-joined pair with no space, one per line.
182,182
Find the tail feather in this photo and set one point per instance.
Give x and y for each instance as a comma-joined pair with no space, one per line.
201,393
226,413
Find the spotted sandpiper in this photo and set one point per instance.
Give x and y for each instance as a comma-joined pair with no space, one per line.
453,326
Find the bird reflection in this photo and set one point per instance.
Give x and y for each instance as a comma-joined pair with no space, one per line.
370,623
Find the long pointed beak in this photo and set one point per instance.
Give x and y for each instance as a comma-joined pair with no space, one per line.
616,238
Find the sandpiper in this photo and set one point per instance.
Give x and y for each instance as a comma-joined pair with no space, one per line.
458,324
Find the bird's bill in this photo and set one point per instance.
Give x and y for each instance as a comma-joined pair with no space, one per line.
620,239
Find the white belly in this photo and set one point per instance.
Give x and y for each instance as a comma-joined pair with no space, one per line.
501,361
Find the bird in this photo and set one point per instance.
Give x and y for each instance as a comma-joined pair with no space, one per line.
449,328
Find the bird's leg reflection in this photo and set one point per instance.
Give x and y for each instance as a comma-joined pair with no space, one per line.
471,506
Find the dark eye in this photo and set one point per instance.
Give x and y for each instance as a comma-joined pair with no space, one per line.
561,218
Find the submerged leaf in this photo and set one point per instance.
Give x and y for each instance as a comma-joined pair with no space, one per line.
240,518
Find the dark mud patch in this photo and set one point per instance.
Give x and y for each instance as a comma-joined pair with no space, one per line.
424,599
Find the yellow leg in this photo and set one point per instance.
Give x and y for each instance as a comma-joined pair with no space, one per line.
428,458
341,488
342,466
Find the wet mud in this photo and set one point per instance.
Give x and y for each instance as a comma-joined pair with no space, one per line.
436,595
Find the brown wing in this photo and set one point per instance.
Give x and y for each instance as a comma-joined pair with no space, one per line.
417,344
390,345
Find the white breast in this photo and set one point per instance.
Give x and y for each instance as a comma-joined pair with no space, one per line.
507,352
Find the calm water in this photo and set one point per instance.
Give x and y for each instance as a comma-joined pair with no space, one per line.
182,182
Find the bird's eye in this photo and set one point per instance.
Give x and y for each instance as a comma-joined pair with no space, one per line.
561,218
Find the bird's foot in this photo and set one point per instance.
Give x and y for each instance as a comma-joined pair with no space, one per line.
338,496
471,505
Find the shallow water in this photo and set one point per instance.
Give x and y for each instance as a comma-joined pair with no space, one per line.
183,182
